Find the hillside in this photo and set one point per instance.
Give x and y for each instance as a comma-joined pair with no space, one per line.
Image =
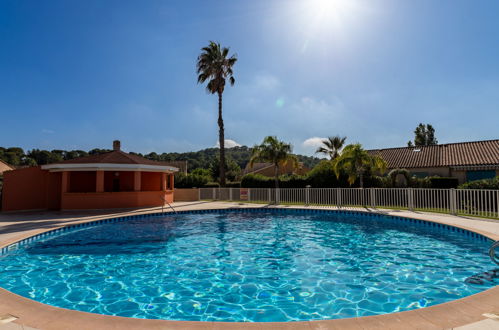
197,159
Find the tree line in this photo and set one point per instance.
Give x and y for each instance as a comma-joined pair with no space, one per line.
237,157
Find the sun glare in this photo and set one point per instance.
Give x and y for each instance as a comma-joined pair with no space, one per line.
329,12
328,20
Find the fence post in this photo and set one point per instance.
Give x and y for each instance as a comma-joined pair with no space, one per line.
214,194
230,194
373,197
452,201
497,199
338,197
277,196
307,195
410,199
249,194
269,194
199,194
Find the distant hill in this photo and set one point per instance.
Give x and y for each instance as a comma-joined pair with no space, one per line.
203,158
197,159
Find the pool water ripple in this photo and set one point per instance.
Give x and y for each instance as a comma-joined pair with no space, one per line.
237,266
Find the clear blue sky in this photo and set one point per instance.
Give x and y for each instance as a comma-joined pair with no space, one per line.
78,74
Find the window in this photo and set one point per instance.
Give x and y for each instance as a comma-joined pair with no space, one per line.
479,175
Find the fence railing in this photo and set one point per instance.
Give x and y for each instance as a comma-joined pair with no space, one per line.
483,203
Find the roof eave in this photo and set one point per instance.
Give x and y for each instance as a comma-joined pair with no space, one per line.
108,167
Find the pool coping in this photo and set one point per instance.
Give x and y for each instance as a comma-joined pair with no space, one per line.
446,315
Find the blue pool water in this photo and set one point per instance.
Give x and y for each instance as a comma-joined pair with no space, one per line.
238,266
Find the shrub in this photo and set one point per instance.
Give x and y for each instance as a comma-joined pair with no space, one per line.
183,180
481,184
211,185
323,176
292,181
444,183
257,181
420,182
202,172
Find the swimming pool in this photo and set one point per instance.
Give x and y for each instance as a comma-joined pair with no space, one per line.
248,265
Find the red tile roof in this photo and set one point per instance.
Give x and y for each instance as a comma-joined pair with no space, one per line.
452,154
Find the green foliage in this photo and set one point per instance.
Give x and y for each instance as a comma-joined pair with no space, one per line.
356,162
183,180
232,170
424,135
332,146
98,151
15,156
420,183
215,66
256,181
203,172
274,151
444,183
482,184
393,174
201,159
324,176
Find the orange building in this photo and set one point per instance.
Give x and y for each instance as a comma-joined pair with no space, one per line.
114,179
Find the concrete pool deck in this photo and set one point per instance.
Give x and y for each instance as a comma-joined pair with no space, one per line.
472,312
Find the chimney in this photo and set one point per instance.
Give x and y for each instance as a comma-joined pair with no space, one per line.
116,145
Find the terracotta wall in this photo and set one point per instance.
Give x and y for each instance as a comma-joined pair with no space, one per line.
150,181
107,200
31,189
125,179
186,195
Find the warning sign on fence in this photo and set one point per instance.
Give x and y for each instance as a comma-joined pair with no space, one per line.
243,194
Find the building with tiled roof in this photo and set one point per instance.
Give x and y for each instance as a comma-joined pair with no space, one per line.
466,161
268,169
114,179
5,167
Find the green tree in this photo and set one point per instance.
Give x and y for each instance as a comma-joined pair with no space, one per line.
43,157
215,66
232,170
75,154
332,146
273,151
355,161
424,135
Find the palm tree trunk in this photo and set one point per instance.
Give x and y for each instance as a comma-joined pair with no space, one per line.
276,176
361,179
221,140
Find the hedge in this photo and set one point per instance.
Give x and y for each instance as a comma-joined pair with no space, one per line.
183,180
482,184
443,183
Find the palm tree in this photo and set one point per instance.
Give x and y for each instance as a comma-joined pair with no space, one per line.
332,146
354,161
215,66
273,151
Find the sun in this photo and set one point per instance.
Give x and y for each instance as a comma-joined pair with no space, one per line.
329,11
328,14
326,6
